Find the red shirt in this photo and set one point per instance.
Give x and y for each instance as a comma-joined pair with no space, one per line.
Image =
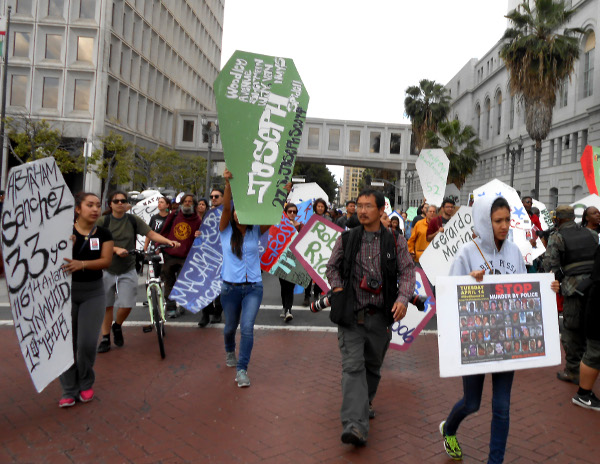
181,228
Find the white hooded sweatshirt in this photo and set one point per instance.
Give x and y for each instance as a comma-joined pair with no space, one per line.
507,260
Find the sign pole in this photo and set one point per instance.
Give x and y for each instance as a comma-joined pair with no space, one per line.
4,162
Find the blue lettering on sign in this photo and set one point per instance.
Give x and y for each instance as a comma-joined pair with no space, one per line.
199,282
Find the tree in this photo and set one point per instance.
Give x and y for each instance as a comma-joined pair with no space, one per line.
539,59
114,162
459,143
426,105
32,139
186,174
152,167
318,173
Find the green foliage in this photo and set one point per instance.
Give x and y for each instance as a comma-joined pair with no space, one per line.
113,162
539,58
185,174
459,143
320,174
34,139
152,167
426,105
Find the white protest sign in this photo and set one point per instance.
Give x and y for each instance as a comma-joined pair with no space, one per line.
145,209
388,206
504,323
313,246
519,219
439,255
308,191
37,221
545,219
580,205
432,167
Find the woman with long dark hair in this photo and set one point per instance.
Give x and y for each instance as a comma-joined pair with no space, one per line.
287,287
202,208
92,252
242,289
319,208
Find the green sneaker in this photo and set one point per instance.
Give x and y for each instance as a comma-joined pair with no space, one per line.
451,444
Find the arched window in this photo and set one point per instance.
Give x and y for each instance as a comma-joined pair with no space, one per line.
488,109
588,64
498,111
478,113
577,193
553,203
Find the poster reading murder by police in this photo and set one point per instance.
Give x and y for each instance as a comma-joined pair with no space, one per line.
505,322
37,221
262,104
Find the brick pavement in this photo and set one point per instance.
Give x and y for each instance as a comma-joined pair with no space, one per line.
188,409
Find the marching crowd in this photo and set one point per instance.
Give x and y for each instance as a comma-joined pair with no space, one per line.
372,277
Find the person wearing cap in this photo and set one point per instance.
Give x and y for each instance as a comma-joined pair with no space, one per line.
569,255
436,225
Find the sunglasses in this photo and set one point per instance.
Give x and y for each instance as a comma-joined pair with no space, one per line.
215,196
292,211
122,201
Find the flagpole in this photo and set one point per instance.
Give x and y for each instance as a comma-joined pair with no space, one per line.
4,159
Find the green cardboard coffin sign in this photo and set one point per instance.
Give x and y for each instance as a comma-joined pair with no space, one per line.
261,103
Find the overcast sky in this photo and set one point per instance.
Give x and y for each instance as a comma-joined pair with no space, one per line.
356,58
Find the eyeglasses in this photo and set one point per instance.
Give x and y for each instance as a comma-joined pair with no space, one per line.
292,211
120,200
215,196
367,206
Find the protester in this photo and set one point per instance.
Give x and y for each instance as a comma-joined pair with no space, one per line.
179,227
120,279
287,287
385,220
591,218
92,252
242,289
589,367
569,255
319,208
395,224
368,309
421,212
202,208
489,253
436,225
350,211
212,313
417,243
157,220
528,204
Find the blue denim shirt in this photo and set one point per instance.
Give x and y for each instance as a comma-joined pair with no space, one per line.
238,270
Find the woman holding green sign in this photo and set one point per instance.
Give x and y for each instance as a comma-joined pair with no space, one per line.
242,289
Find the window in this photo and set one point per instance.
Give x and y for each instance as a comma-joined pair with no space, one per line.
512,112
87,9
488,110
18,90
21,45
188,130
85,49
574,145
55,8
81,100
313,138
395,140
334,140
553,198
498,112
588,65
53,46
563,93
551,157
374,142
478,113
23,6
354,145
50,93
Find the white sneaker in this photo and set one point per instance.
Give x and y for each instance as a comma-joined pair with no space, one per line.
288,316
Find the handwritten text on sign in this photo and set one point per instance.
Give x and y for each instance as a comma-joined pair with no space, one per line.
432,167
145,209
280,237
313,247
406,330
37,221
199,282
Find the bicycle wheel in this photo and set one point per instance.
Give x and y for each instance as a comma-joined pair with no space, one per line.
158,322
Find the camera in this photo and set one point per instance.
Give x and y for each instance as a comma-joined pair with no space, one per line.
418,301
321,303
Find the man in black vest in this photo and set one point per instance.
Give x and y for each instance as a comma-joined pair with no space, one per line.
570,255
372,277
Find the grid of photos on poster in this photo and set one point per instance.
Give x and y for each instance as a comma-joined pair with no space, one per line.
500,321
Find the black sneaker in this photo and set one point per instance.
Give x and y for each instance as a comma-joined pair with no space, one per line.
371,412
104,345
204,319
352,436
587,401
117,334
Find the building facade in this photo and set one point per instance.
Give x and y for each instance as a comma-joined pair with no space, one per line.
349,188
129,66
481,98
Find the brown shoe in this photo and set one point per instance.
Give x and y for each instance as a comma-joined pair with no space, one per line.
352,436
566,376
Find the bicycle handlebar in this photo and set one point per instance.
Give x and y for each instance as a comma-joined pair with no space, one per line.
148,253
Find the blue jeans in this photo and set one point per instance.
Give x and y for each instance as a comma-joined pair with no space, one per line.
241,304
473,388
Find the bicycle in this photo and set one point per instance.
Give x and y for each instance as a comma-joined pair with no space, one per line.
154,294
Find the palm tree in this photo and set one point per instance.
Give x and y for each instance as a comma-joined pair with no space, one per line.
538,60
426,105
459,143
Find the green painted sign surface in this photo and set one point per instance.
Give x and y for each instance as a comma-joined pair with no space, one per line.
261,103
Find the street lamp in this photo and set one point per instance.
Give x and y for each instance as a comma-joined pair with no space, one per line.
512,154
409,178
208,132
